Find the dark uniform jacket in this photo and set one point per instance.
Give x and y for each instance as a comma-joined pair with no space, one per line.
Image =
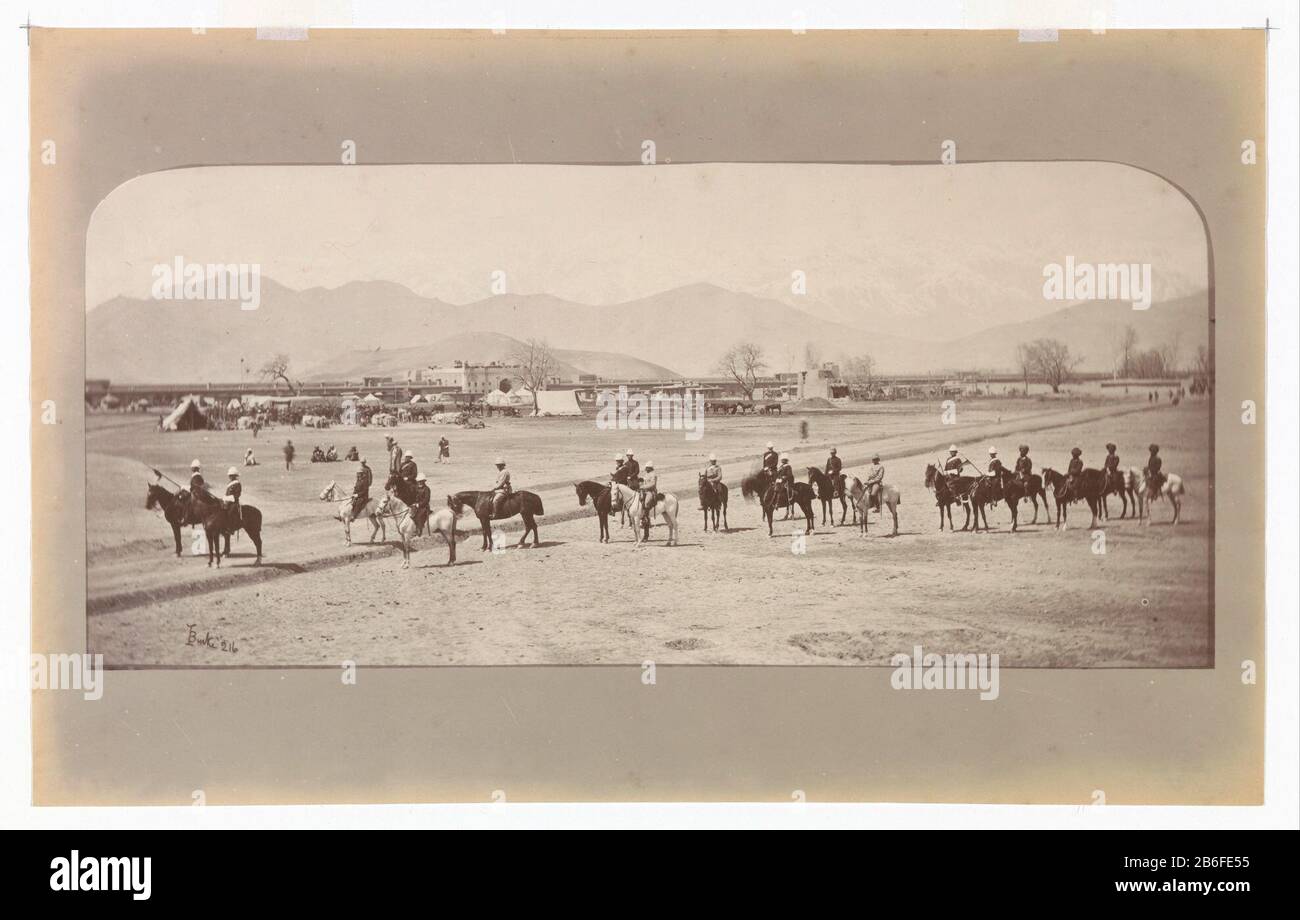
786,474
770,460
995,467
1112,462
631,471
954,464
834,465
1075,468
364,480
234,490
198,488
422,495
409,470
1154,464
1024,466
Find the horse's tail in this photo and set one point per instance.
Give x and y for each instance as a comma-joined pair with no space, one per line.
532,503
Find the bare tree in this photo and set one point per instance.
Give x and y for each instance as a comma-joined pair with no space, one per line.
1053,362
860,369
537,365
1203,363
1171,352
1025,361
277,369
1127,350
743,362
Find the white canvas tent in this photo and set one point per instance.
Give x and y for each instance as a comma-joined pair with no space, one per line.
417,398
187,416
557,402
234,403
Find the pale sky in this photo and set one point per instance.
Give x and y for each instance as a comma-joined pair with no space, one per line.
605,234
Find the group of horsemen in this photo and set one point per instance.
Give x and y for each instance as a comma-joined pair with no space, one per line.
629,472
956,464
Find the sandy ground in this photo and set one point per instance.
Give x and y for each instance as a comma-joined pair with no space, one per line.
1039,598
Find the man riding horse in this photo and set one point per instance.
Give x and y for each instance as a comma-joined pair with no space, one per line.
649,489
408,469
712,479
1073,471
995,465
1114,478
834,466
770,460
1024,466
1155,478
874,481
501,490
785,477
361,489
231,504
420,503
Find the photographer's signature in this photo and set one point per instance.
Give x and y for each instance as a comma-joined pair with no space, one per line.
216,643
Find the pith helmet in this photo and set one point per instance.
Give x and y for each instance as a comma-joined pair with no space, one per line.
195,465
232,472
952,448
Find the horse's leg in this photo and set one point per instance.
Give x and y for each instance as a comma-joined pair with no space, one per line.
725,525
176,534
893,513
256,536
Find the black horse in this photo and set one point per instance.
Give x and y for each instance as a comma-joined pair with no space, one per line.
713,501
598,495
755,485
948,493
180,509
779,494
527,505
827,491
1089,486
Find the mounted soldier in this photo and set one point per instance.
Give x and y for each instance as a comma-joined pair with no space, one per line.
361,489
1155,478
408,469
1024,466
394,456
833,466
785,476
420,503
231,504
502,489
633,471
649,489
995,465
770,460
954,464
1114,478
874,481
1073,471
713,478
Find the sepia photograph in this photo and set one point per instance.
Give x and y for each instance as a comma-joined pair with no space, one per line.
724,413
435,413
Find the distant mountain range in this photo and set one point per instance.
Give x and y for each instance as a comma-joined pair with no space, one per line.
379,327
480,348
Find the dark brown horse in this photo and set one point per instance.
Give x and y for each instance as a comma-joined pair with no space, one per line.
948,493
714,501
779,494
527,505
1089,487
826,490
598,494
180,509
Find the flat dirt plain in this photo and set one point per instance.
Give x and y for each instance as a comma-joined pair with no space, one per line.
1039,598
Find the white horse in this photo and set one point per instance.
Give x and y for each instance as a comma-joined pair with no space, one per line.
631,500
442,520
370,510
889,498
1172,488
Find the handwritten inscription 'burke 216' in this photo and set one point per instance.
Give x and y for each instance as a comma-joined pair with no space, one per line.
216,643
